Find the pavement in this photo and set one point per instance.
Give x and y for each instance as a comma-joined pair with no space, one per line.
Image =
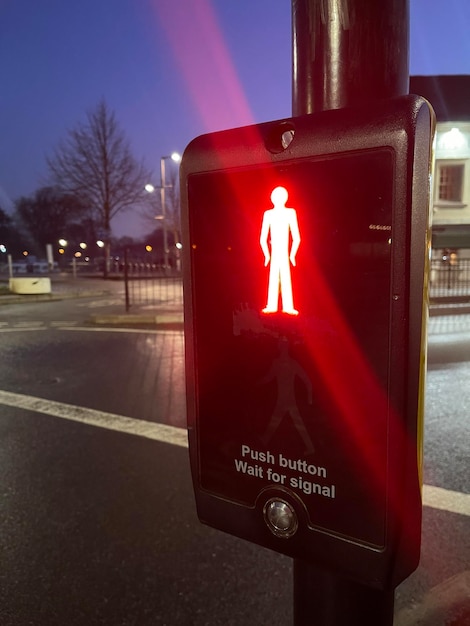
166,315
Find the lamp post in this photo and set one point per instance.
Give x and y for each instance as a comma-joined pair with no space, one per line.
174,156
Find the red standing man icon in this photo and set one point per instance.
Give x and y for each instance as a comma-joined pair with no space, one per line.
280,225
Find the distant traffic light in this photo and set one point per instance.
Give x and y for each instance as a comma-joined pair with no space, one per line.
305,266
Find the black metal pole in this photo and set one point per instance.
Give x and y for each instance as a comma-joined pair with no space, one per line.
126,279
345,53
322,598
348,52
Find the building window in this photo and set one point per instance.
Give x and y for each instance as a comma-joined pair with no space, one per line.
450,183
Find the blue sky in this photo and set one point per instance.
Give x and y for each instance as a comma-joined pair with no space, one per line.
170,69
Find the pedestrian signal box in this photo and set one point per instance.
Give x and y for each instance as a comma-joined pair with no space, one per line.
305,260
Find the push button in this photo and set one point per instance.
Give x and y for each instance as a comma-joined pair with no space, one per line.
280,518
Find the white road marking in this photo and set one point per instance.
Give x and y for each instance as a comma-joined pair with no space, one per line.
434,497
101,303
446,500
111,421
59,325
21,330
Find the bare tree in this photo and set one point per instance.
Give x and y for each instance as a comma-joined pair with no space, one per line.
95,164
7,235
48,214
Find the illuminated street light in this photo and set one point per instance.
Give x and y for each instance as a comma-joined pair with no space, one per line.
454,139
176,158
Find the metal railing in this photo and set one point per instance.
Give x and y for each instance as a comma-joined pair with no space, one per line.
450,281
149,286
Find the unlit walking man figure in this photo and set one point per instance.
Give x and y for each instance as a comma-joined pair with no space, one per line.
279,222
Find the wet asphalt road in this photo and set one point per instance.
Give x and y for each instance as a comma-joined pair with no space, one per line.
99,527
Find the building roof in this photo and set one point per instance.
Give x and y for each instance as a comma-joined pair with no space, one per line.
449,95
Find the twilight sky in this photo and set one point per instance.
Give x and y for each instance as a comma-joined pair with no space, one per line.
170,70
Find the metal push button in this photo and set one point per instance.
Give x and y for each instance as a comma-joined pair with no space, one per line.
280,518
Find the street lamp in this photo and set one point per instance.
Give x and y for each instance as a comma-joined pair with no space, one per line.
176,158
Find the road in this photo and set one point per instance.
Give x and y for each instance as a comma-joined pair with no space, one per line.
98,523
132,373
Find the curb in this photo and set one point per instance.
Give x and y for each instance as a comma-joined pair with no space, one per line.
446,603
437,310
52,297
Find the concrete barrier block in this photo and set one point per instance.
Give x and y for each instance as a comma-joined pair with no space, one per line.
31,285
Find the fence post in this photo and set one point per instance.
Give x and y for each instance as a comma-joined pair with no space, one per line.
126,279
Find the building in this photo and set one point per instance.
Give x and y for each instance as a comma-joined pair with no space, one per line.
450,98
